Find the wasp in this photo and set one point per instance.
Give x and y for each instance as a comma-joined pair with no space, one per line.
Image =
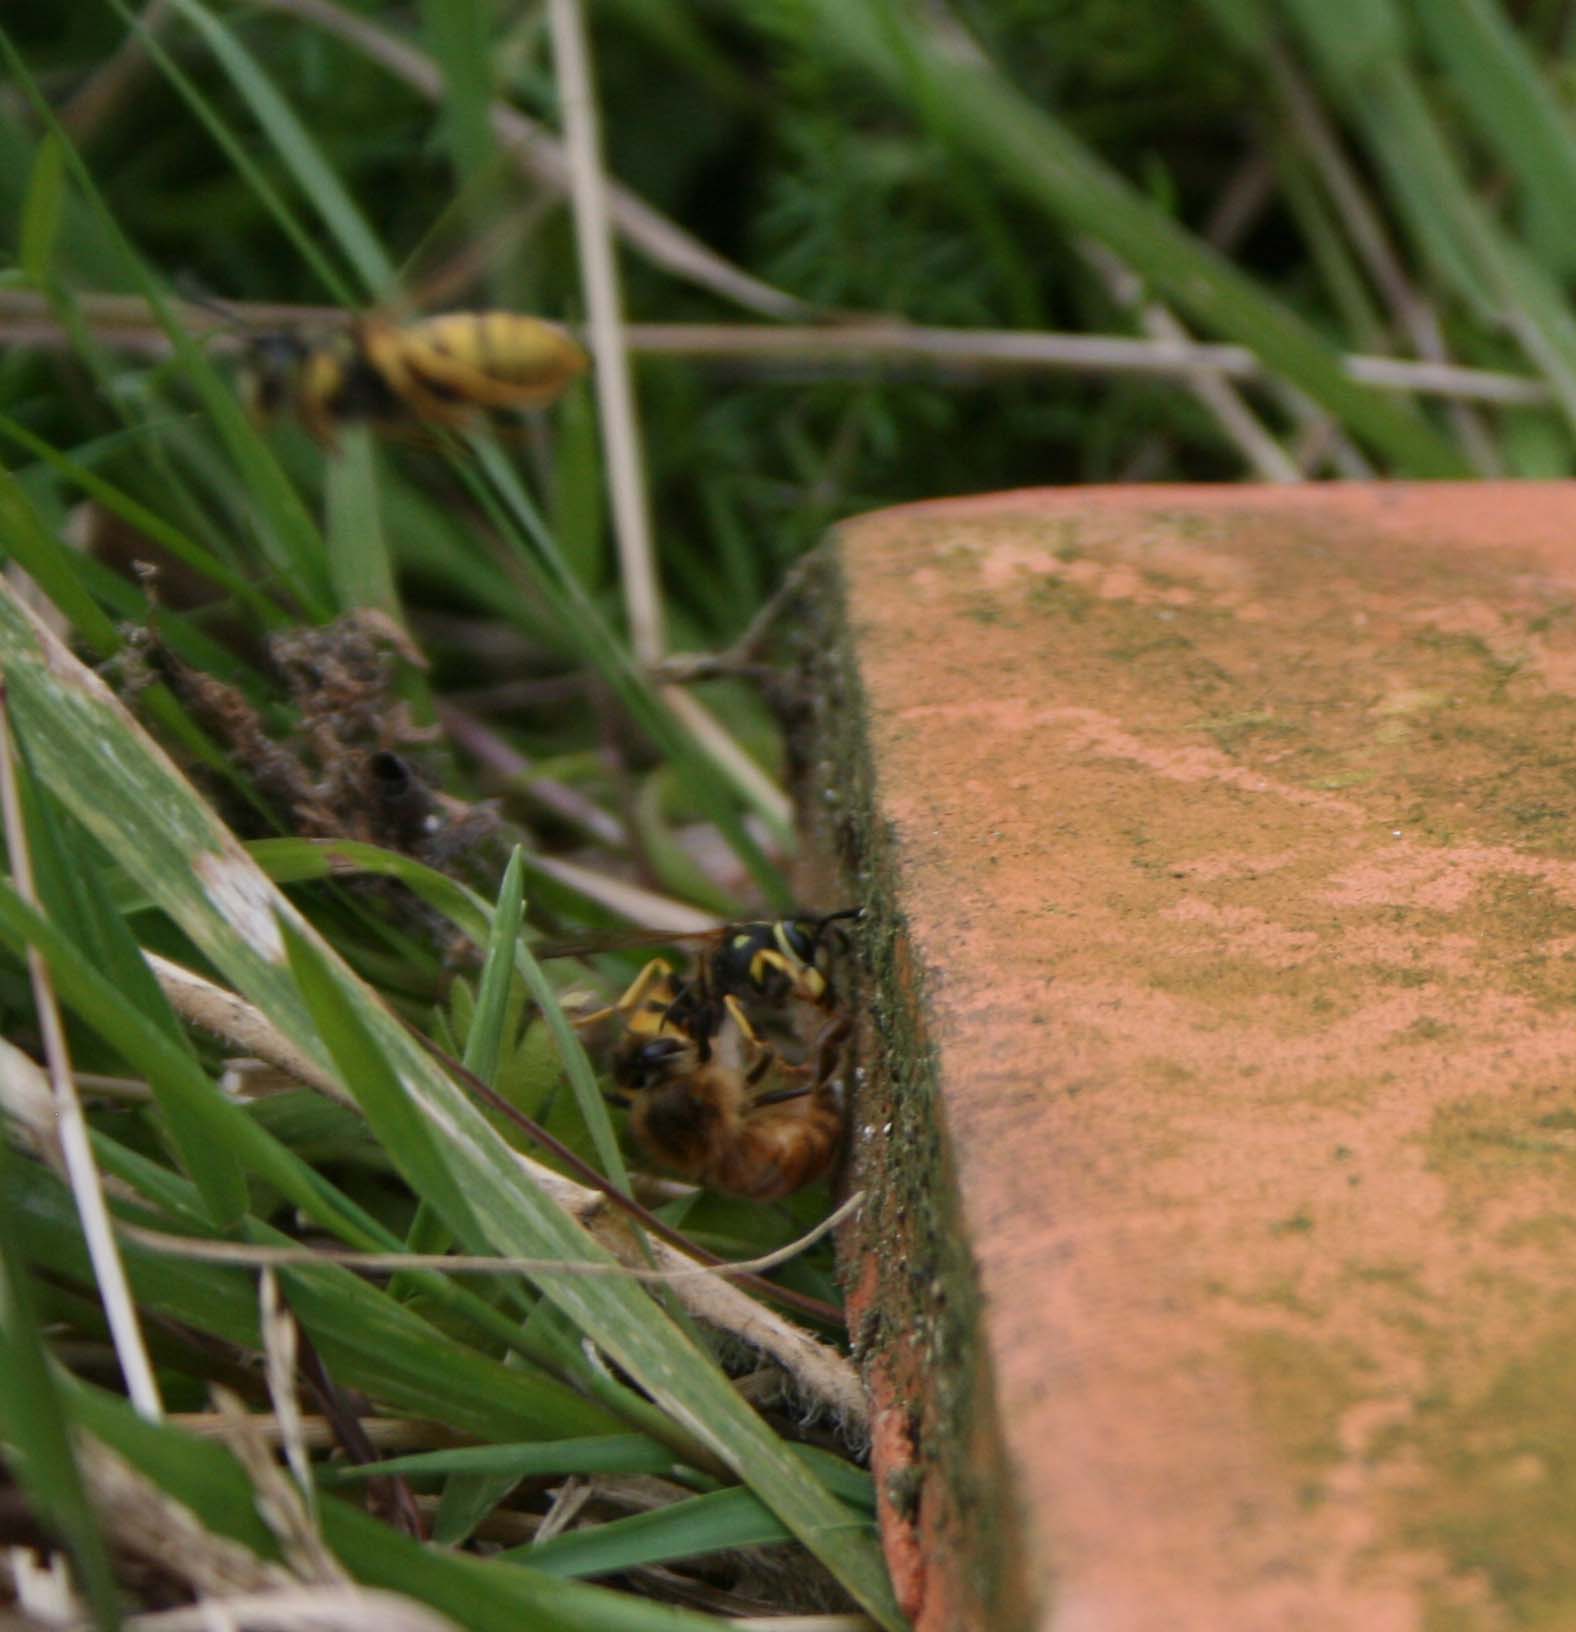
710,1107
433,372
774,960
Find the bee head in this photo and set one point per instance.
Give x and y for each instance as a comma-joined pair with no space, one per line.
655,1062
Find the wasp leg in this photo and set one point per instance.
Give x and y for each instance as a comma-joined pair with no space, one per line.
736,1013
762,1056
659,969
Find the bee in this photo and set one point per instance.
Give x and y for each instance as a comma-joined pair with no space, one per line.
774,960
707,1094
433,372
707,1108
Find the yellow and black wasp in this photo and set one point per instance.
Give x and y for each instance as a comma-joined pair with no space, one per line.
430,373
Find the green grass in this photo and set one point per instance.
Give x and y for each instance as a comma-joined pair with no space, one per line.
270,612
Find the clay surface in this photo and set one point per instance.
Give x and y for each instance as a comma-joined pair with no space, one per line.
1226,865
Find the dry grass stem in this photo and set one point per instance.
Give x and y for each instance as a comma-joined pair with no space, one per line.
121,321
281,1346
281,1503
213,1009
803,1623
737,765
571,1496
626,477
120,75
299,1609
87,1186
645,909
1265,456
140,1517
1417,319
392,1434
271,1258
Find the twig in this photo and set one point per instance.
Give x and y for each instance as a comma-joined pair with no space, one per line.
1241,202
87,1185
1265,456
270,1258
121,321
741,657
504,761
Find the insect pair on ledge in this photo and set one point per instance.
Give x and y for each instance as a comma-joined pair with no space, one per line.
708,1095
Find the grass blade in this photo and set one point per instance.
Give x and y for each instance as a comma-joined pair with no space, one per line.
41,209
182,857
1037,157
1515,114
296,148
358,552
35,1422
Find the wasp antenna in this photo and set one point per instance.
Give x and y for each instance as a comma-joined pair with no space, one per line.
842,912
191,295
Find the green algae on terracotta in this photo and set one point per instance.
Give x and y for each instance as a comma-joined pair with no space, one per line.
1300,1391
1502,1486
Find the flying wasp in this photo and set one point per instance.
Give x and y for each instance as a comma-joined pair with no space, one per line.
427,374
710,1106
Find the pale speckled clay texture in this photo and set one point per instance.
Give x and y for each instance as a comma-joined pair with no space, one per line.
1236,835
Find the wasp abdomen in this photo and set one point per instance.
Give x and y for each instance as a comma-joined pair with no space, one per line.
490,359
436,371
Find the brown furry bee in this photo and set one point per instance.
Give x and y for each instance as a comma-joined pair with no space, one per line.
707,1108
447,370
708,1096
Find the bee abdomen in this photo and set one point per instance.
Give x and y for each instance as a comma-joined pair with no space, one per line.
778,1150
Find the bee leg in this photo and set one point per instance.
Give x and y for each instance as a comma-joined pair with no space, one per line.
829,1048
828,1056
622,1101
658,969
780,1096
